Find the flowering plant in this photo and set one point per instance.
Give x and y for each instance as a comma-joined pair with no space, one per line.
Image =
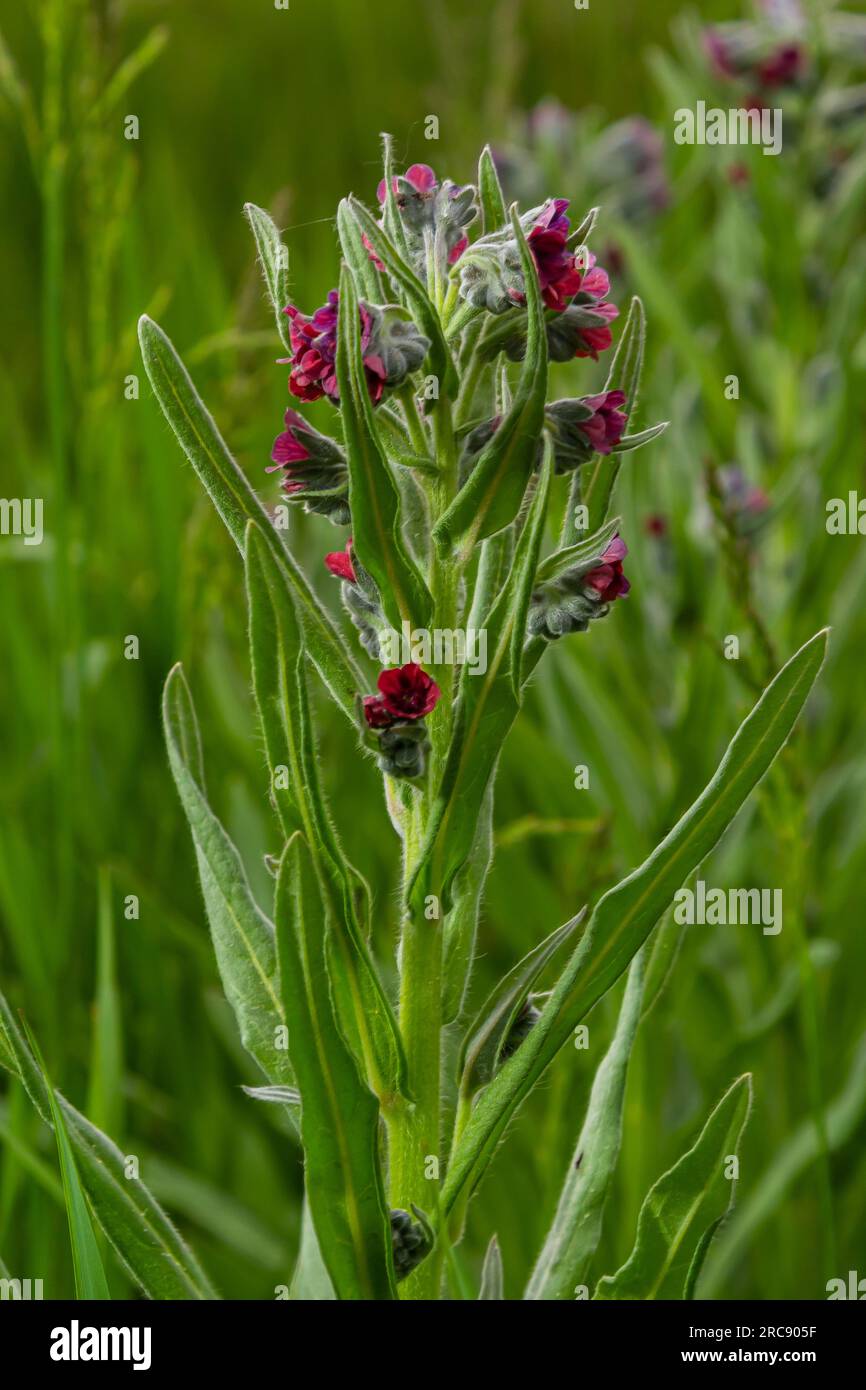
446,463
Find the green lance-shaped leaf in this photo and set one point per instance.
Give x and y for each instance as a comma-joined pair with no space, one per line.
583,555
485,711
492,1276
339,1115
493,212
625,916
630,442
279,681
357,256
234,499
390,212
414,294
576,1230
143,1237
461,922
582,233
90,1280
490,498
683,1209
243,938
598,479
488,1033
373,494
310,1282
274,261
789,1160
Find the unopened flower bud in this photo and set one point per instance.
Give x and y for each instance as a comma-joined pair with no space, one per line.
428,208
403,748
360,597
394,343
578,596
410,1242
520,1029
583,426
314,469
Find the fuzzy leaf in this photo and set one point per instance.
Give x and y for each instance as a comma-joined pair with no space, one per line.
599,477
493,212
414,294
630,442
489,1030
234,499
279,681
576,1230
490,498
682,1211
357,256
243,938
485,711
492,1279
625,916
90,1280
274,261
373,494
580,236
461,923
585,553
310,1282
339,1115
146,1242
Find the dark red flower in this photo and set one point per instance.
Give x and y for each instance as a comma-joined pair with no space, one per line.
314,353
717,52
606,426
558,273
408,692
592,341
608,579
783,66
289,449
405,692
656,526
376,712
420,176
339,562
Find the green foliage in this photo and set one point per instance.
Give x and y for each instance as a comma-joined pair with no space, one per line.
683,1209
759,277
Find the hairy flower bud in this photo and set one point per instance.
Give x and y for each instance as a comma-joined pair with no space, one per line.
361,598
430,210
578,596
583,426
520,1029
491,276
410,1242
403,749
394,341
314,469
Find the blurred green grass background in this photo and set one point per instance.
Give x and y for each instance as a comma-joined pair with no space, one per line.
243,102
